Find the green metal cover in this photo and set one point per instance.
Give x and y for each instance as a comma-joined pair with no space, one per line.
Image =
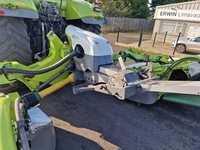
80,9
193,100
16,4
7,115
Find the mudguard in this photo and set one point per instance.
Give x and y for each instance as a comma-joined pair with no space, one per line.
80,9
19,8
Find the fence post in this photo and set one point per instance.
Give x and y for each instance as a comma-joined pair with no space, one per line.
140,39
177,42
165,37
154,39
118,34
113,23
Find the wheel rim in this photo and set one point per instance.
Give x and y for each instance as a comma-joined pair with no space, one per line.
180,48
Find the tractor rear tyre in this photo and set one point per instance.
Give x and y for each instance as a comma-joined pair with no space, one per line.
14,45
14,41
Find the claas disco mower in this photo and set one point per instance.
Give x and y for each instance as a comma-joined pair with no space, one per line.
65,54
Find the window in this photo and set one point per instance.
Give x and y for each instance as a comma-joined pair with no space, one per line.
197,39
172,27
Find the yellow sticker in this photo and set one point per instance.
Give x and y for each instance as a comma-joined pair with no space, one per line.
20,4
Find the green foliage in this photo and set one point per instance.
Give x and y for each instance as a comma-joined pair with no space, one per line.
132,8
114,8
137,8
125,8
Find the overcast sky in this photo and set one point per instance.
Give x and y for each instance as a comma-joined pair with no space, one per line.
149,2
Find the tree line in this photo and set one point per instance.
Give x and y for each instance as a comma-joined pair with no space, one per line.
132,8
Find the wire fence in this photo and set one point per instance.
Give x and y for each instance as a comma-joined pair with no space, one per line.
127,24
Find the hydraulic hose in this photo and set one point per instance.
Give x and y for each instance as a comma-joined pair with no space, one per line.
76,52
177,63
129,56
22,132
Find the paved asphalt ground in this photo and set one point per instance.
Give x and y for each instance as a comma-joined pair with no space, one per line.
94,121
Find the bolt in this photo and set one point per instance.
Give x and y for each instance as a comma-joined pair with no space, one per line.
32,128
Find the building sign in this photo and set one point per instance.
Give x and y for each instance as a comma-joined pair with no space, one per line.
184,15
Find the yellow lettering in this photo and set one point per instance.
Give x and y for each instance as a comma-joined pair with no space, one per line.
20,4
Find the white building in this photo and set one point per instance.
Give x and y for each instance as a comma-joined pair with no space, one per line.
177,18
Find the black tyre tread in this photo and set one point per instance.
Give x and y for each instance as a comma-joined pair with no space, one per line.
14,41
14,46
92,28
